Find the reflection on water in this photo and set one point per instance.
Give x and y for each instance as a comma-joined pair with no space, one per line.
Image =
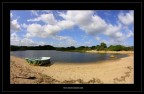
60,56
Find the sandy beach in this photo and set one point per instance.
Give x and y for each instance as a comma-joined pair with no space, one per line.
119,71
119,52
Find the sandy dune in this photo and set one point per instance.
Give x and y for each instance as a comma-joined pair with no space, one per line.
105,72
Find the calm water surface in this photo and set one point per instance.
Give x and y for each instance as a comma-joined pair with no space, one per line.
60,56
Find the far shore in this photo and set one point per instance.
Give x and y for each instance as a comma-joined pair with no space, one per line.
119,52
95,51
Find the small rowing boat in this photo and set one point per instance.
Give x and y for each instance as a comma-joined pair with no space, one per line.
39,60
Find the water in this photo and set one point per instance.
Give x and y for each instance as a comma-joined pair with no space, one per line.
69,57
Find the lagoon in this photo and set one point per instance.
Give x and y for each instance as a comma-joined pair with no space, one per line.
66,57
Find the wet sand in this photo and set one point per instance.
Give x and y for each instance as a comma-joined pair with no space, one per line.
119,71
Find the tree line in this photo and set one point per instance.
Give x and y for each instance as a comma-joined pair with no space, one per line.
45,47
101,47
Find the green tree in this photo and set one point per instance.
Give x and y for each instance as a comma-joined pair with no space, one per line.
102,46
98,47
93,47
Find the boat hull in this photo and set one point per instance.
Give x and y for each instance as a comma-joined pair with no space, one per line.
38,61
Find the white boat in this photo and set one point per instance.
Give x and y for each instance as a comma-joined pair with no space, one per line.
39,60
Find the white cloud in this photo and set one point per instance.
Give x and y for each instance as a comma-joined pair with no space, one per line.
89,43
130,34
65,24
93,24
126,18
86,20
14,25
14,36
47,18
98,38
42,43
80,17
11,15
46,11
27,42
36,30
16,40
109,41
97,25
84,37
51,29
28,35
34,12
65,41
44,31
113,31
24,25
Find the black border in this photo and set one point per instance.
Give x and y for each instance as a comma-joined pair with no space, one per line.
136,6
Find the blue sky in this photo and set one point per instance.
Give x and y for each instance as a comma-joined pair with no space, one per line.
63,28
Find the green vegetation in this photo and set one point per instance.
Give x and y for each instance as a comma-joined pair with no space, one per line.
45,47
119,48
101,47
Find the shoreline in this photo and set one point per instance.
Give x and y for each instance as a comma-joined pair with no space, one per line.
118,52
107,72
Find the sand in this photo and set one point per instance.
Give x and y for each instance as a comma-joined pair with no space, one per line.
119,71
119,52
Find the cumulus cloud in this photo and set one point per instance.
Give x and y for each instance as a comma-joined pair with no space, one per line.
110,41
93,24
35,29
34,12
97,25
126,18
89,42
14,25
86,20
65,41
98,38
51,29
78,16
46,11
113,31
16,40
130,34
65,24
24,25
46,18
27,42
43,31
